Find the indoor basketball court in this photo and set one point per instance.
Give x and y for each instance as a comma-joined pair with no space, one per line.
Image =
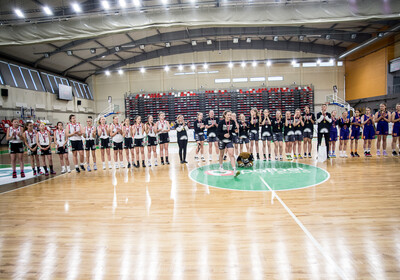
271,150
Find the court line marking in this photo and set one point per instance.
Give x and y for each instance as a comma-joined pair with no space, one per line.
339,271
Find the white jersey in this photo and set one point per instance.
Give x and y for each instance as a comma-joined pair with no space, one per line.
117,138
151,133
162,125
104,131
73,128
60,137
15,135
30,137
89,133
127,130
138,130
44,138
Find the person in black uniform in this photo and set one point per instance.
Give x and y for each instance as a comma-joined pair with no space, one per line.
324,126
308,131
266,134
277,134
243,133
254,122
224,132
298,133
182,137
199,127
211,126
289,134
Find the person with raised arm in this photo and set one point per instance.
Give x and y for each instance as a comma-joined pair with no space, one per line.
16,147
324,126
74,132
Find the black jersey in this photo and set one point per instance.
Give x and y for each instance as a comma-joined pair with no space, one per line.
266,126
289,127
226,127
197,127
324,122
214,123
299,126
307,118
255,126
243,128
181,131
277,126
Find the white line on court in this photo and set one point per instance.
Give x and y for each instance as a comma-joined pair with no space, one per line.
339,271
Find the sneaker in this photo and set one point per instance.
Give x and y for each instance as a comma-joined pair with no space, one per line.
34,172
196,158
41,172
52,172
116,165
88,168
305,155
203,159
14,175
237,173
104,166
345,155
299,156
258,156
22,174
221,169
309,155
122,165
276,158
94,167
365,153
224,157
143,165
109,165
129,164
63,170
290,157
68,169
162,162
333,155
281,158
369,154
352,154
356,154
265,158
82,167
47,173
185,161
155,163
378,153
77,170
210,159
149,163
167,162
385,154
269,157
394,153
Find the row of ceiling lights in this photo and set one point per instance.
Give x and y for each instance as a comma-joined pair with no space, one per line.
205,66
77,8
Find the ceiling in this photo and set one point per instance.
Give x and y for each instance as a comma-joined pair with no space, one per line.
94,54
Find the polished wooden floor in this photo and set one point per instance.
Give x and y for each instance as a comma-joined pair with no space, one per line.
156,223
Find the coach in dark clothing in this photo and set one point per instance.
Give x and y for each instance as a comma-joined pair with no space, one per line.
324,126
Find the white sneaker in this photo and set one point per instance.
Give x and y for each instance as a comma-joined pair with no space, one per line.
122,165
202,158
196,158
63,170
345,155
109,165
116,165
221,169
68,169
94,167
210,159
155,163
104,166
149,163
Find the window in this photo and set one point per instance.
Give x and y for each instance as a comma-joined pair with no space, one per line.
257,79
239,80
275,78
221,81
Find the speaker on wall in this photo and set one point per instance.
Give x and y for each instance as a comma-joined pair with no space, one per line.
79,102
4,92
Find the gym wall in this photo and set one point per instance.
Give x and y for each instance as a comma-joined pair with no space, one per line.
115,85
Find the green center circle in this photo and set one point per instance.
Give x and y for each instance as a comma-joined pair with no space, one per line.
279,175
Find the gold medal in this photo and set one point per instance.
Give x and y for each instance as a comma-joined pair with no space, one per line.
324,121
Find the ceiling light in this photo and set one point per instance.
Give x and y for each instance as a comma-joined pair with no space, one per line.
209,42
47,55
107,73
92,51
166,68
70,53
269,63
353,36
19,13
380,34
235,40
327,37
117,48
141,47
142,70
122,3
194,43
76,7
243,64
47,10
248,40
301,37
120,71
230,65
205,66
164,1
254,64
180,67
193,67
293,62
276,38
136,3
168,44
319,61
331,61
105,4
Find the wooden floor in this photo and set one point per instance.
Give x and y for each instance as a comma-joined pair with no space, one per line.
156,223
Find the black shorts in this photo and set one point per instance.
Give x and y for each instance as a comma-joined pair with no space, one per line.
235,139
90,144
45,152
32,153
244,140
164,138
212,137
308,133
222,145
298,136
104,143
199,137
76,145
254,136
289,138
266,136
16,148
151,141
139,142
128,143
117,146
277,136
62,150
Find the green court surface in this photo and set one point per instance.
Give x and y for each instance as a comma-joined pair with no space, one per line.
279,175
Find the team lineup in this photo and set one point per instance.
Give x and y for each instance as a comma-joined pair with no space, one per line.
230,135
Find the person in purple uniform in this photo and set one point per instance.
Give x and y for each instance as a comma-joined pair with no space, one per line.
355,133
367,121
382,117
396,129
344,124
333,135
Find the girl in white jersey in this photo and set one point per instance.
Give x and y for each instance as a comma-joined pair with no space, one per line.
31,146
43,139
128,141
62,147
16,147
103,131
150,128
117,138
162,130
74,133
138,132
90,143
